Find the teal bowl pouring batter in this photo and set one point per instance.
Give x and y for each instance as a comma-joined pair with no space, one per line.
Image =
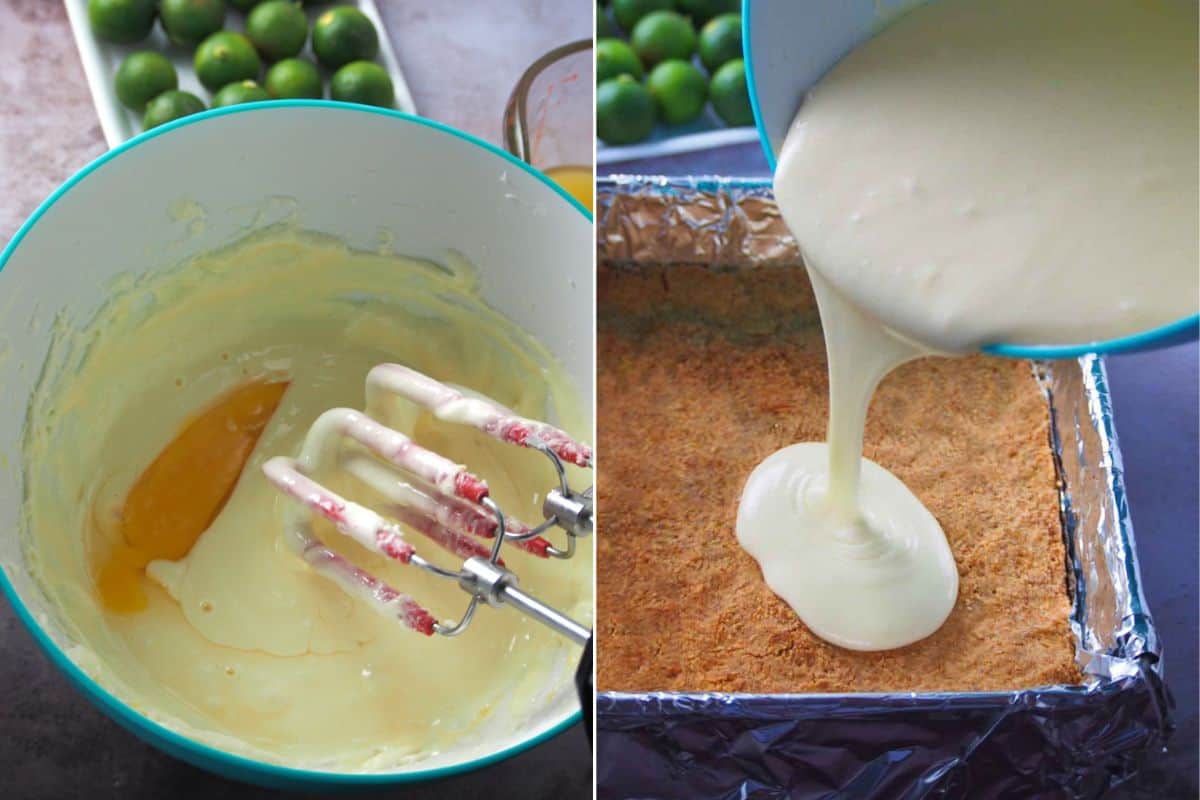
790,46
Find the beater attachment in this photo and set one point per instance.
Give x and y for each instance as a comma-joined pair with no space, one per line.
434,496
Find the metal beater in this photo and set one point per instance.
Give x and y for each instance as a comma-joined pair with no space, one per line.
434,496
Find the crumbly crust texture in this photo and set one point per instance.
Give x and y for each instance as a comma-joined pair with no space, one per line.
689,403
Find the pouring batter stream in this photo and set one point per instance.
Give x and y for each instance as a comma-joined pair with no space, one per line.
977,173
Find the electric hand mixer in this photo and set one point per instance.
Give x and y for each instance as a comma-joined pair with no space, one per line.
432,495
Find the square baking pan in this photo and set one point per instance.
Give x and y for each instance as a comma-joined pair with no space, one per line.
1069,741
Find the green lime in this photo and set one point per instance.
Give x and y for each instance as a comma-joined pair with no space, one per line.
240,92
663,35
226,57
278,29
615,57
294,77
142,77
170,105
363,82
679,90
720,41
122,21
604,24
344,34
701,11
624,111
628,12
188,22
729,94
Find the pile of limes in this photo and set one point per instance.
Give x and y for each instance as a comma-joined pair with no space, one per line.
230,64
663,70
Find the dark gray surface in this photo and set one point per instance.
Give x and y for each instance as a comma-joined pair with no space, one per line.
54,745
1155,397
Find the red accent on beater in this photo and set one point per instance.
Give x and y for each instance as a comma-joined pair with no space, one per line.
468,487
393,546
416,617
458,543
332,510
537,545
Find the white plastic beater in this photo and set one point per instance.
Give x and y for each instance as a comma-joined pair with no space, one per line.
433,495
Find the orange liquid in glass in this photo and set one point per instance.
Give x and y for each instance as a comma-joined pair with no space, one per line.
577,181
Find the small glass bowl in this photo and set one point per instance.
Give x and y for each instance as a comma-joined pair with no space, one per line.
548,121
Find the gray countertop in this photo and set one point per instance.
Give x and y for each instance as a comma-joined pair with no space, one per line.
461,59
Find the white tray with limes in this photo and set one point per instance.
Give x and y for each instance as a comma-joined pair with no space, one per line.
672,48
101,60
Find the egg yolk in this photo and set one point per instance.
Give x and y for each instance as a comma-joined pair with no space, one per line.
180,494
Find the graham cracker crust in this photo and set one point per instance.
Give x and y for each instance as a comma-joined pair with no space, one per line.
701,375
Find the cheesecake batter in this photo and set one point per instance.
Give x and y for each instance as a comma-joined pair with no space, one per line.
236,642
980,172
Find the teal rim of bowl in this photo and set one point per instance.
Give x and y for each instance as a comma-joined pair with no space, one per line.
1177,332
176,744
752,86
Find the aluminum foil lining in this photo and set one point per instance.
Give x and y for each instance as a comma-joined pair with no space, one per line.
1050,741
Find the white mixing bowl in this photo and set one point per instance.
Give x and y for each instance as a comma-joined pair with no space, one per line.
349,171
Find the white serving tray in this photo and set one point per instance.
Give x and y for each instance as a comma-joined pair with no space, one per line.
101,59
704,134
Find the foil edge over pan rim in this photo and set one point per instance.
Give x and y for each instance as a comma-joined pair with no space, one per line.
1128,661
